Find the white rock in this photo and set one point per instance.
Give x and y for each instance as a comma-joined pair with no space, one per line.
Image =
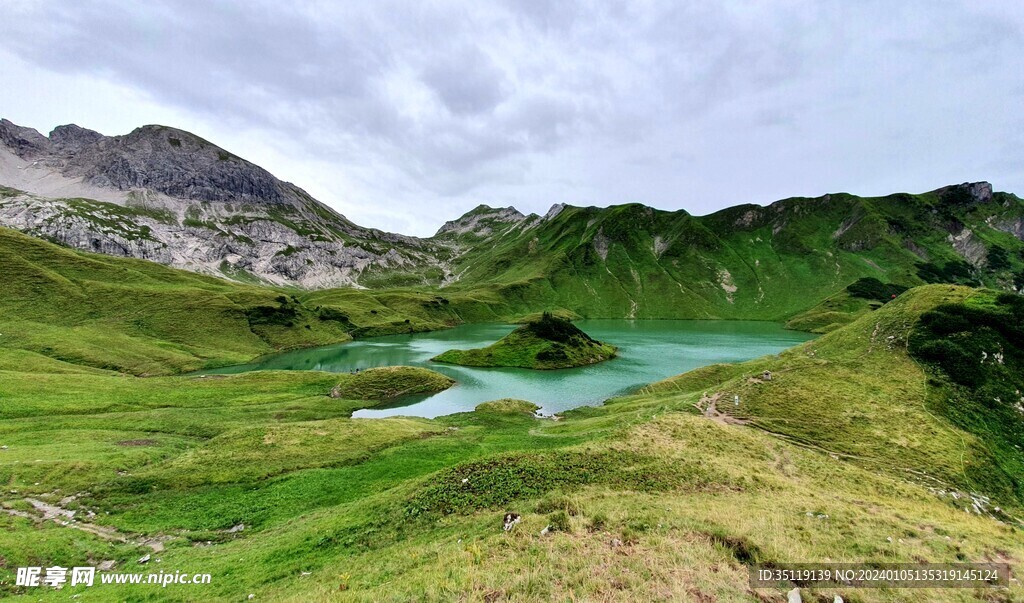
794,596
144,558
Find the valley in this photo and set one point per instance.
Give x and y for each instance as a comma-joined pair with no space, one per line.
201,356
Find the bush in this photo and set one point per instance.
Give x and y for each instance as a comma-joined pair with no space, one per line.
998,258
331,314
560,522
872,288
558,503
597,522
552,328
555,354
976,351
955,271
269,315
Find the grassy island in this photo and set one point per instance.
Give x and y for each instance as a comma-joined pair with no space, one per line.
549,342
388,382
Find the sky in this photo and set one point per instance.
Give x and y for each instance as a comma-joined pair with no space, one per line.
402,115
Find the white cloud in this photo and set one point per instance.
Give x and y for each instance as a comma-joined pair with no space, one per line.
403,115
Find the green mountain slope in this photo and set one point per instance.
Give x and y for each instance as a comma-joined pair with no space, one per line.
748,261
860,394
140,317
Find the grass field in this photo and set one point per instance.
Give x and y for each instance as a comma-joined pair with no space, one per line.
852,451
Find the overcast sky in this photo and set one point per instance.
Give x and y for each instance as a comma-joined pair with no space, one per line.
402,115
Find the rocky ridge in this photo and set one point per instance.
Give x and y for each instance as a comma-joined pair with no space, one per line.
166,195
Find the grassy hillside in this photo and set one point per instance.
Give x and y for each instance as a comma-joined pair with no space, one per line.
264,481
142,318
548,342
858,298
896,437
746,261
858,393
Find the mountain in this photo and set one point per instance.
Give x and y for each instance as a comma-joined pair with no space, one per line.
861,447
746,261
142,318
166,195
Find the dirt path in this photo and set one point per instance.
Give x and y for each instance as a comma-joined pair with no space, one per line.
709,406
66,517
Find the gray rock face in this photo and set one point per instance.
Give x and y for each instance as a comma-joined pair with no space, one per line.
72,138
481,221
968,245
968,192
172,162
24,142
1014,227
166,195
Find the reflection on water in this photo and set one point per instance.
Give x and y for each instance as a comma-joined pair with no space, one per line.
649,350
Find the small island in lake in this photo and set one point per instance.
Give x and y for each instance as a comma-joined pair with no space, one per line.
546,343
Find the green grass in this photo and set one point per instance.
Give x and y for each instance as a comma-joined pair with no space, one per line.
744,262
691,500
858,393
142,318
390,382
849,453
547,343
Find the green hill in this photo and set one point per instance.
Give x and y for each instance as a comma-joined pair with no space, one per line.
853,451
906,389
895,437
143,318
746,262
546,343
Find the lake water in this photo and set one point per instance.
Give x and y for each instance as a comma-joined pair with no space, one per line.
649,350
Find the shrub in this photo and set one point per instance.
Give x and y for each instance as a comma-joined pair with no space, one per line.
872,288
558,503
998,258
955,271
283,315
560,522
597,522
976,351
333,314
269,315
552,328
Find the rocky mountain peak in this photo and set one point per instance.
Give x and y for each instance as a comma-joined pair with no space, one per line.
176,163
25,142
966,193
481,220
70,138
555,210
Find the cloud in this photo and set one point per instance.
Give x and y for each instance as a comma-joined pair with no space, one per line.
405,114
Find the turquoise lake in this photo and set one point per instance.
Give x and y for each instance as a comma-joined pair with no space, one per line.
649,350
